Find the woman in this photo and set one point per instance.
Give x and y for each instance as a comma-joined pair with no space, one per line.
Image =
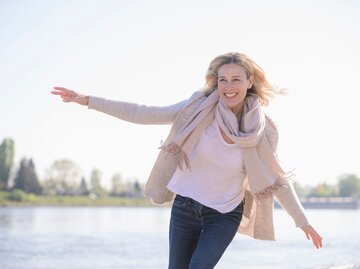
218,164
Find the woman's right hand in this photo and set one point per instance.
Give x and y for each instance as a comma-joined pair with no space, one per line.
312,234
71,96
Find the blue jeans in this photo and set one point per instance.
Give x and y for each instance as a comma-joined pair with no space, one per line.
199,235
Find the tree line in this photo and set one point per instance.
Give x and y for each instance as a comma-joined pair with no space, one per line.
64,177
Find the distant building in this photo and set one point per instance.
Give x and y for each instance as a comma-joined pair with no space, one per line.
328,202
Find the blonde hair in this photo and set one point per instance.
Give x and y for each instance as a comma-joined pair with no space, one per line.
261,87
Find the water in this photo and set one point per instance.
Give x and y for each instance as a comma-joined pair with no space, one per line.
136,238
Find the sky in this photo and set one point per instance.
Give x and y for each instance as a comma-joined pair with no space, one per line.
157,53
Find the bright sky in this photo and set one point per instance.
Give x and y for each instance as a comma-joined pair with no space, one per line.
157,53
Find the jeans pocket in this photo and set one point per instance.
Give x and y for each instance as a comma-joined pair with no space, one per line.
239,208
179,200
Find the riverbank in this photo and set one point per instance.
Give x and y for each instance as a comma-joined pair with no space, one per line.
22,199
19,198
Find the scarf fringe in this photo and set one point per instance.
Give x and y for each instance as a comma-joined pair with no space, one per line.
180,156
279,183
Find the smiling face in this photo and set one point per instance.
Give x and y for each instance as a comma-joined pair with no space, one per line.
233,84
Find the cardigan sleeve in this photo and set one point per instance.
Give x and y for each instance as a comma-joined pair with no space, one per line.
288,199
136,113
286,195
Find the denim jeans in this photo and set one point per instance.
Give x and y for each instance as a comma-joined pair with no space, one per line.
199,235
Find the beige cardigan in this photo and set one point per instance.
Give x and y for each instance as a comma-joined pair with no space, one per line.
257,220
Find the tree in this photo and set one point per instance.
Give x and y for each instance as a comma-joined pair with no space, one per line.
137,187
95,180
83,190
349,184
117,184
323,190
302,191
26,178
63,178
7,153
132,188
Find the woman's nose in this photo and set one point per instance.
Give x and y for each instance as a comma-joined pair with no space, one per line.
229,85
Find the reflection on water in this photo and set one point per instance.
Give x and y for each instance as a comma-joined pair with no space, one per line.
111,237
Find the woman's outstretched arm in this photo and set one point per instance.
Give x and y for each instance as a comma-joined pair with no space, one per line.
126,111
286,195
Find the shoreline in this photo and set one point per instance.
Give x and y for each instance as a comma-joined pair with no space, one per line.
347,203
31,200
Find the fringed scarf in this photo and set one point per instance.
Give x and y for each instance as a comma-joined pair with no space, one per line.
262,167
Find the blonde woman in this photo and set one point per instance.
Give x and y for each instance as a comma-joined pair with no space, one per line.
218,164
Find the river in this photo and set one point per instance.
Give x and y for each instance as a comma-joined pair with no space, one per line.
137,238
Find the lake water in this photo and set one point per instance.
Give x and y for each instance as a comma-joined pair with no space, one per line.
137,238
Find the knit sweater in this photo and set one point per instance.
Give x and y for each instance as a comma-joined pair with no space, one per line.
217,172
257,220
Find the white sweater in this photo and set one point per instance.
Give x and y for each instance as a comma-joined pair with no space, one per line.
216,176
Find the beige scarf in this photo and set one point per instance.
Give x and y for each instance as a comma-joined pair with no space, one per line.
262,167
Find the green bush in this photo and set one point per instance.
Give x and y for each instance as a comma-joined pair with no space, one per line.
17,195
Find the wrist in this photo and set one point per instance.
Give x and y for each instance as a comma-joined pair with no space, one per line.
305,226
86,100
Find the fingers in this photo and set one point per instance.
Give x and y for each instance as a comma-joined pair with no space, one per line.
311,233
320,243
317,240
70,96
60,89
65,94
61,92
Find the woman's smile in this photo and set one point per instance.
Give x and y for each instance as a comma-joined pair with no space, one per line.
230,95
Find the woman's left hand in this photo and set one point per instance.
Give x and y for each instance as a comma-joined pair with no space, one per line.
311,233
